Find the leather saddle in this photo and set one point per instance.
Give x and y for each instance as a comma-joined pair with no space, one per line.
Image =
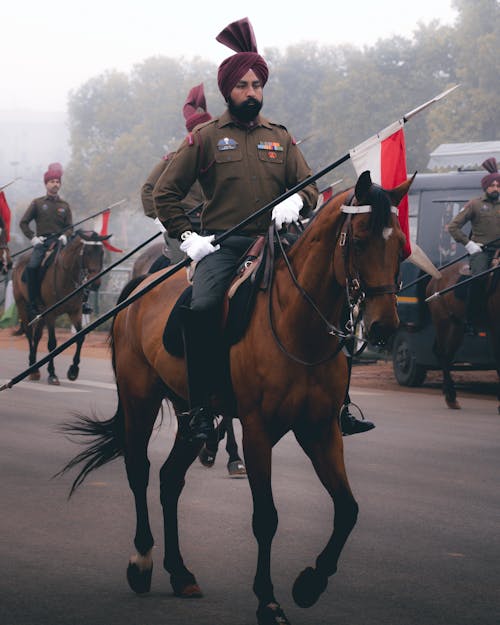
238,302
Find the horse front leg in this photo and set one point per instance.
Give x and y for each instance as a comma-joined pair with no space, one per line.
172,480
33,336
257,449
74,369
449,336
51,345
235,465
325,450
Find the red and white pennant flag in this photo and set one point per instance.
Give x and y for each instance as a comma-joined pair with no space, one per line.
5,215
384,156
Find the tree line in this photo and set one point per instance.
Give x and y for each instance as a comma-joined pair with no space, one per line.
331,97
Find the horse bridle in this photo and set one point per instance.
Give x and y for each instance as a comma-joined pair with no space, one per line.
356,289
83,271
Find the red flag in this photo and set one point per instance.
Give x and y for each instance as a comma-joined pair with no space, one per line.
5,215
101,226
384,155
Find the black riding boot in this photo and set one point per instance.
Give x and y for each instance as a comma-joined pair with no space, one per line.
200,347
33,296
349,424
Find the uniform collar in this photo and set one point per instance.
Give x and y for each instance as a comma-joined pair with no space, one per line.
52,198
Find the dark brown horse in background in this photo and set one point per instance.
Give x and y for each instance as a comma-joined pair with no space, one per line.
78,261
288,373
448,314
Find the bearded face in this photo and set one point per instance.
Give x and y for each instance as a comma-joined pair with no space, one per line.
245,111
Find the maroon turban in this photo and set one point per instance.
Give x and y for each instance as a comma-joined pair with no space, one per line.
490,164
53,172
195,108
239,36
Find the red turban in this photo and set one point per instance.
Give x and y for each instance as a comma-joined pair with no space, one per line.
239,36
53,172
490,164
195,108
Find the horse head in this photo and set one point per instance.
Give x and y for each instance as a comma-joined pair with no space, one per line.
368,256
92,253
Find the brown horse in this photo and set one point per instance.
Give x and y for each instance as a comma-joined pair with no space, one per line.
448,314
288,373
78,261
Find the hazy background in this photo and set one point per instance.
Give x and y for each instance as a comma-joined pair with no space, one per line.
99,86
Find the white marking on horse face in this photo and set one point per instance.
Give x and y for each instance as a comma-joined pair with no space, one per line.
386,233
144,563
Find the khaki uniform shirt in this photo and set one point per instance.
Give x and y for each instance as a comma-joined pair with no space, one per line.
240,169
484,216
52,215
194,197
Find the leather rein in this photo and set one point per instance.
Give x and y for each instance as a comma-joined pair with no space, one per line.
356,289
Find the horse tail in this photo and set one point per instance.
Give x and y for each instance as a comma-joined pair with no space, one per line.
107,443
107,436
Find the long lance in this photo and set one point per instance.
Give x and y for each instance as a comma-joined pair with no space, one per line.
4,186
460,284
78,223
448,264
93,279
170,272
184,263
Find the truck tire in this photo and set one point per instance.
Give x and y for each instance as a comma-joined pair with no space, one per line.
406,369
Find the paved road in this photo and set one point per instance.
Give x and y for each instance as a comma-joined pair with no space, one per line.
426,549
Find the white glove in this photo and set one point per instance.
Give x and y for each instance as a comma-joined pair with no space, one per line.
473,248
37,241
63,238
287,211
197,247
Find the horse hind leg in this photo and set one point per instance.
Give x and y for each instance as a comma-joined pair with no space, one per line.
325,450
33,336
139,414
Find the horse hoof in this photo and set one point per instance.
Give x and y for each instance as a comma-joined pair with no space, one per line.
271,614
236,468
207,457
73,372
308,587
54,380
35,376
186,587
139,581
453,404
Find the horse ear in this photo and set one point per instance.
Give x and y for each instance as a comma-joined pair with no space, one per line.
398,193
363,185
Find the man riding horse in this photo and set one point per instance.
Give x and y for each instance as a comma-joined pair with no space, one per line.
243,162
483,213
53,220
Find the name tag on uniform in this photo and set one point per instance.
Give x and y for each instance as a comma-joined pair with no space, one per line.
227,144
271,147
